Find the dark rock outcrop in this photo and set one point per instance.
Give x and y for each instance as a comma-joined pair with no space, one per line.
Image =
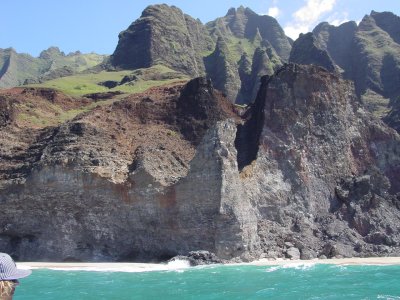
199,107
7,111
199,258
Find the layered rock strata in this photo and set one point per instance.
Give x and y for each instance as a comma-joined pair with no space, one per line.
326,173
306,171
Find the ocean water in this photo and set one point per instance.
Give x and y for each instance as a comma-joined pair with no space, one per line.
302,281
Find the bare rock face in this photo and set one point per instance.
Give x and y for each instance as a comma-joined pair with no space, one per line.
393,117
324,177
306,172
6,111
117,183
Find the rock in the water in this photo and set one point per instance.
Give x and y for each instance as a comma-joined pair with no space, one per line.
198,258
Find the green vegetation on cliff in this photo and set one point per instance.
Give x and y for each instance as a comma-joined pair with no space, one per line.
163,33
82,84
17,69
368,54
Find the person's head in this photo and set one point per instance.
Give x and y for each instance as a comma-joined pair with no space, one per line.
9,275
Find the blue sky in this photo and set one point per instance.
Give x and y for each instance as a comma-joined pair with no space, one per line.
30,26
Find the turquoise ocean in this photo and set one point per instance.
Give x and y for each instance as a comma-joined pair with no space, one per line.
301,281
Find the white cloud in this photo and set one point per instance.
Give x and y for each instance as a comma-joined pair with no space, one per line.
273,12
293,31
307,16
337,19
313,9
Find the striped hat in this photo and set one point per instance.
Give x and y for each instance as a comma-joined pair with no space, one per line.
8,269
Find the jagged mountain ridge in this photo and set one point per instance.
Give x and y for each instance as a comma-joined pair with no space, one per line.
17,69
215,49
367,54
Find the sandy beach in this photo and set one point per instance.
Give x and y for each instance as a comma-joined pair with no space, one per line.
143,267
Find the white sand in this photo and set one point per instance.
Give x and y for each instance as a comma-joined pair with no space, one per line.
105,267
143,267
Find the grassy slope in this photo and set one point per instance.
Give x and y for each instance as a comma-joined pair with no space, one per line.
82,84
80,62
24,66
238,46
39,115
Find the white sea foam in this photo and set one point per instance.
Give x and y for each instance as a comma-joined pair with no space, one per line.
178,264
299,266
126,269
273,269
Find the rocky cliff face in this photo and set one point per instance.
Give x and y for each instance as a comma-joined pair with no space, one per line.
393,117
317,141
135,155
306,171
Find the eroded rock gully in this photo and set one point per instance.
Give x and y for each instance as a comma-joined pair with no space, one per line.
156,175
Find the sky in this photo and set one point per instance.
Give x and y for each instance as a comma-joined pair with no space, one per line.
30,26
